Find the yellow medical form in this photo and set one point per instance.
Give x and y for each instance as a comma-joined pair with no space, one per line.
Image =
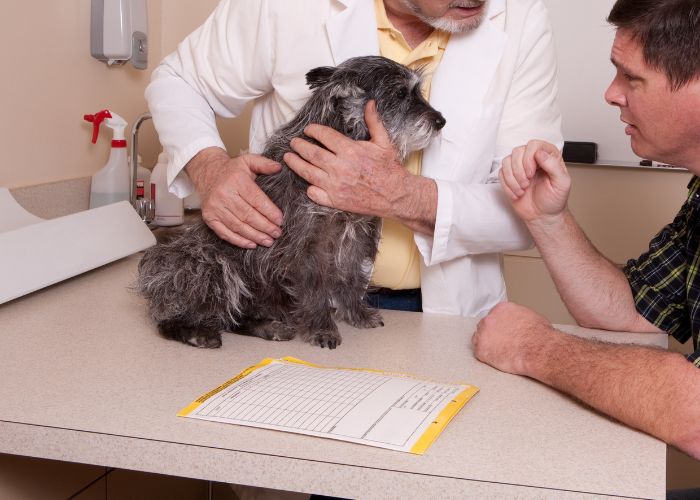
363,406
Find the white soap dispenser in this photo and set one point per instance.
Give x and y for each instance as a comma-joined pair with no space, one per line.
170,210
111,183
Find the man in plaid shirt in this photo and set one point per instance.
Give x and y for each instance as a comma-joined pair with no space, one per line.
657,88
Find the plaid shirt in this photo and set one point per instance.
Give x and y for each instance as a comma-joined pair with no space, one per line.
665,280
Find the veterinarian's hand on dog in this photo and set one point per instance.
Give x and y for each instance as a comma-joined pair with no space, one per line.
233,205
536,180
363,177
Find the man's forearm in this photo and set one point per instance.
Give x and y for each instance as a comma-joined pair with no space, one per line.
648,389
199,167
595,291
416,204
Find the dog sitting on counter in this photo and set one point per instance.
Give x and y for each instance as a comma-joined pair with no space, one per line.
317,271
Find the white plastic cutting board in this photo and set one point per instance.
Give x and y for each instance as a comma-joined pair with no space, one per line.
35,253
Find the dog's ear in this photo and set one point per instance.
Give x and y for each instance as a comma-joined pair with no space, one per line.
319,76
351,113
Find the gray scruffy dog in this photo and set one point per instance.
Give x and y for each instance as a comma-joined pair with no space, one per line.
198,285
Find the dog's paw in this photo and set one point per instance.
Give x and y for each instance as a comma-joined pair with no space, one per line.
326,338
366,318
190,335
208,340
268,330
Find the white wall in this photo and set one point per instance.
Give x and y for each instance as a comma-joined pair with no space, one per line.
583,40
50,81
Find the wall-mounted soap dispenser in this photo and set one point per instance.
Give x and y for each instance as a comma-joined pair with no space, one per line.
119,32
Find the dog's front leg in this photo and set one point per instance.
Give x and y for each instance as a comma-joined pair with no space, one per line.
315,322
356,254
350,306
312,313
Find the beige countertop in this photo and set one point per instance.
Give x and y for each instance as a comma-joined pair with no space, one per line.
86,378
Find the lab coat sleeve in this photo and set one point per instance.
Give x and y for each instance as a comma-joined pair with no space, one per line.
216,70
477,218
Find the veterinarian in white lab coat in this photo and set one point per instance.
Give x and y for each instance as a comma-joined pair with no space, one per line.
495,85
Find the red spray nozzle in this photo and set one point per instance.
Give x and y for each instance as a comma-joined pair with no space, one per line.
96,121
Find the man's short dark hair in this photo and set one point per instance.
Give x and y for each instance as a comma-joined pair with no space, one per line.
669,33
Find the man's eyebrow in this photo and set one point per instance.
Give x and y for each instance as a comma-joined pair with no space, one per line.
621,66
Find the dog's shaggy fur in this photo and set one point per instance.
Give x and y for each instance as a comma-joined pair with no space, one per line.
198,285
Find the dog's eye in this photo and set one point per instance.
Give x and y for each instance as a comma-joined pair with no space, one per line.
401,93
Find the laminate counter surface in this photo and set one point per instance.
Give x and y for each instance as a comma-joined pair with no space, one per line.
86,378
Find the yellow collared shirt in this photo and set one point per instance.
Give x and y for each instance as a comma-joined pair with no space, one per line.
397,265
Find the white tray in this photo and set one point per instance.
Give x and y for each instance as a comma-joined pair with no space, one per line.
35,253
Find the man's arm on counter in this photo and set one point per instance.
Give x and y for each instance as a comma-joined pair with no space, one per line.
646,388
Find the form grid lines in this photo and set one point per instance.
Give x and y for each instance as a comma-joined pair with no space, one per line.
297,397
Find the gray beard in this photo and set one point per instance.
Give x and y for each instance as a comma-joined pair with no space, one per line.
448,25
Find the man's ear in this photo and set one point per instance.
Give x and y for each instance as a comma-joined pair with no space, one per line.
319,76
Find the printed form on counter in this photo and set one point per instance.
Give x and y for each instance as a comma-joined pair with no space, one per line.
369,407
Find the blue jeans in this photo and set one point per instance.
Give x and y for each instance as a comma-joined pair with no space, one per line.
395,300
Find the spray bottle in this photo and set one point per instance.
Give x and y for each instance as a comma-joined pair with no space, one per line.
112,182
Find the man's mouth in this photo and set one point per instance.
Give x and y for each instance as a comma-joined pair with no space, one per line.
468,8
630,128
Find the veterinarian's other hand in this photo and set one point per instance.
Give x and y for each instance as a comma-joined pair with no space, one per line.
233,205
536,180
509,336
364,177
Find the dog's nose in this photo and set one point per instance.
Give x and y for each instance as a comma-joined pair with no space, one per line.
439,121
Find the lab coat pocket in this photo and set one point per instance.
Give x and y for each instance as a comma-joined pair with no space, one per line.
477,145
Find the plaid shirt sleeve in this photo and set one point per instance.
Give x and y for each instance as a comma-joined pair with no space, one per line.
658,279
695,358
664,280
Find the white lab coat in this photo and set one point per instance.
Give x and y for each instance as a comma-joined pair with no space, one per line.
496,87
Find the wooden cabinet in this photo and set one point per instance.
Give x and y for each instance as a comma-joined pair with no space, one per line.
23,478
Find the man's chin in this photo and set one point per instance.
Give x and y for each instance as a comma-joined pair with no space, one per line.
458,21
456,25
646,153
639,149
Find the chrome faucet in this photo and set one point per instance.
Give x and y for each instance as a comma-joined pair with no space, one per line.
135,154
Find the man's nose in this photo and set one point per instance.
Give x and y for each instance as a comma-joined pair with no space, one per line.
614,95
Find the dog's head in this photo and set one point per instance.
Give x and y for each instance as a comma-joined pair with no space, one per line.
344,90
